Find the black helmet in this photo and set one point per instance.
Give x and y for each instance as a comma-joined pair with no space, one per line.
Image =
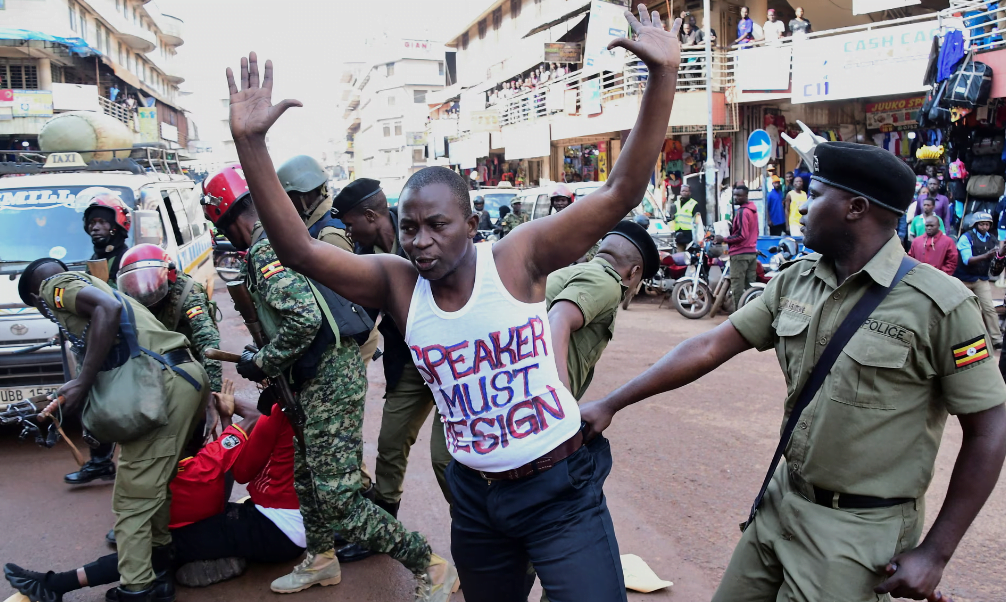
642,220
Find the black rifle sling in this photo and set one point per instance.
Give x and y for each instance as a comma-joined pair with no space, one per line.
870,300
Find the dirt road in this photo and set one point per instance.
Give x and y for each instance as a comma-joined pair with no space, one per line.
687,466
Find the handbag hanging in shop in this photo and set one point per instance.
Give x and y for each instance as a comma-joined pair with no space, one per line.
988,165
988,145
969,86
986,186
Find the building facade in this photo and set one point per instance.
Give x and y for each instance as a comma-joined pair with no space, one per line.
113,56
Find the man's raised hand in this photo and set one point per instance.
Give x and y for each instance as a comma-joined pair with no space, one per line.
252,111
654,45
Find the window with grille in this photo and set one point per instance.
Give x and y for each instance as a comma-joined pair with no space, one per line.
420,95
497,18
17,74
482,29
515,8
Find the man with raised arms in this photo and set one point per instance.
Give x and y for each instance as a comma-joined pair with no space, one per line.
525,487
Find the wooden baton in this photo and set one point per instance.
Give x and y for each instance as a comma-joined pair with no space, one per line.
221,356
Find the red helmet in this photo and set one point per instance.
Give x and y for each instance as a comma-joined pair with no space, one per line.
561,189
222,190
111,202
146,274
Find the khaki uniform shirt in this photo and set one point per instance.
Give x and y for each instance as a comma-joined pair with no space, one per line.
330,234
596,288
60,294
875,425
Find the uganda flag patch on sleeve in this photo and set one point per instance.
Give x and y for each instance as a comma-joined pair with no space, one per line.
970,352
194,311
272,269
57,297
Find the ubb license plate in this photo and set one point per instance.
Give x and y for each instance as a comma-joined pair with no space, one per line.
16,394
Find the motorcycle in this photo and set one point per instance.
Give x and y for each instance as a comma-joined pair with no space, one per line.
672,266
785,251
227,259
691,294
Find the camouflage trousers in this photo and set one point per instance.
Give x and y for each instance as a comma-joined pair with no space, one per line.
327,480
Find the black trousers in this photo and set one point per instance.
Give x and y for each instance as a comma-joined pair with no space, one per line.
558,520
777,230
239,531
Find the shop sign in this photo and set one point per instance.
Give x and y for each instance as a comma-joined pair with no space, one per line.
607,23
893,115
527,141
169,132
415,138
602,161
563,52
27,103
486,121
878,62
762,69
149,131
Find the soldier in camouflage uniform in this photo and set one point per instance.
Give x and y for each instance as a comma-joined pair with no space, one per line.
331,387
513,219
176,300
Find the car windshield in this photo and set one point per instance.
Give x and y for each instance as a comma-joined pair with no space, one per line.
47,222
647,206
495,200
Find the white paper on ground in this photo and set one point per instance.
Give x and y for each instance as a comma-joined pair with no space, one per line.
639,576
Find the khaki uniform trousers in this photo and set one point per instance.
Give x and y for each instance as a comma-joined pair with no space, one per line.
406,408
983,290
798,551
142,497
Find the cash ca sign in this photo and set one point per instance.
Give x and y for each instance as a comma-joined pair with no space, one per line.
879,62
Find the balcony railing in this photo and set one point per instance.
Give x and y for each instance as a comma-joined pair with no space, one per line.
571,93
120,112
984,22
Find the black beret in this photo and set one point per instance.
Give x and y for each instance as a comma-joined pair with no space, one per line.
349,197
640,239
24,284
866,171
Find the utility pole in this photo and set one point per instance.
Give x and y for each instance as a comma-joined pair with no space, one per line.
712,202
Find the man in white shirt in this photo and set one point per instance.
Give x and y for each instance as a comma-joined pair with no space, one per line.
773,30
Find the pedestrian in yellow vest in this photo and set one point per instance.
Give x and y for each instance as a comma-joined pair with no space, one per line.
684,210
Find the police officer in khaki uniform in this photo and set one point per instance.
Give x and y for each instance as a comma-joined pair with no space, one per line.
843,514
583,300
141,499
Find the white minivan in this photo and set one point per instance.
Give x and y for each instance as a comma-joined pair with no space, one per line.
40,216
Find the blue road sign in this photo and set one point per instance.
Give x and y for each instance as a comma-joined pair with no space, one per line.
759,148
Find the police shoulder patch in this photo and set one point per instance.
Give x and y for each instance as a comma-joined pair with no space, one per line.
230,442
57,297
970,352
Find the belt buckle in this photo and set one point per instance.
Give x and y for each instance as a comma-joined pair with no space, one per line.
485,476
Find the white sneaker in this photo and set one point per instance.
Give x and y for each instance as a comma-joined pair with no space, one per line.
321,569
438,582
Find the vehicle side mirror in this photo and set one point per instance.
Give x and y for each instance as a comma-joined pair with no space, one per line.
148,228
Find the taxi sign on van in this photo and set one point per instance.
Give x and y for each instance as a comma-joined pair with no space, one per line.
65,160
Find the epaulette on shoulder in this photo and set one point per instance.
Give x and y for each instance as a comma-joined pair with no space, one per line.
802,259
945,291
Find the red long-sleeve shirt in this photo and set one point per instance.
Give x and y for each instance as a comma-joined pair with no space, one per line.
264,461
744,230
938,251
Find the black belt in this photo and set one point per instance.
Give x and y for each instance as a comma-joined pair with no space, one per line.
172,359
831,499
182,355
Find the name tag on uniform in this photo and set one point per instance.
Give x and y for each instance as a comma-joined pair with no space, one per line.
889,330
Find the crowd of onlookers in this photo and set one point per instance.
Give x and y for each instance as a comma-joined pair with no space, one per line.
529,82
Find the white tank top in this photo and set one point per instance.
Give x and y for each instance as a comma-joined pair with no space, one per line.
492,372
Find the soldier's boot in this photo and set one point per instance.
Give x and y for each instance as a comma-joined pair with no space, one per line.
201,573
121,594
37,587
355,552
321,569
161,558
438,581
101,468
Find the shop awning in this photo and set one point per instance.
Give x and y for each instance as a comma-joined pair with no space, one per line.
75,45
554,22
122,73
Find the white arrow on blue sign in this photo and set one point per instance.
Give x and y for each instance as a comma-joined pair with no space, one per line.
759,148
